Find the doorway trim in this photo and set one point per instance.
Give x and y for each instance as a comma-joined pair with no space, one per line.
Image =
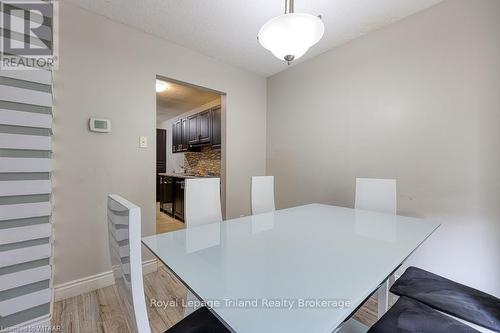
223,96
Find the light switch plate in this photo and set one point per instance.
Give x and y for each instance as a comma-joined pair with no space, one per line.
143,142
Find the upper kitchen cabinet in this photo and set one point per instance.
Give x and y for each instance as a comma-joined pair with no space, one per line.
216,127
184,135
175,143
192,125
176,136
179,136
199,128
204,128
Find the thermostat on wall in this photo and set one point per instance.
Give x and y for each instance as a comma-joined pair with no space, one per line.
100,125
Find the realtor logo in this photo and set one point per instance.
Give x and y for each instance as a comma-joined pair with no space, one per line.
27,34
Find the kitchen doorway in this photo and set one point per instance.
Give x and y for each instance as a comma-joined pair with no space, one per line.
190,143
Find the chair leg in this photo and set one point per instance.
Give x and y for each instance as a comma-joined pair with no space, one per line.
382,299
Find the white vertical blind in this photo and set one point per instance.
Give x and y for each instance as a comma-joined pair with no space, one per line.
25,189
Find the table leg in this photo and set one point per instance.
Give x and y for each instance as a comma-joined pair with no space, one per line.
392,297
191,300
382,298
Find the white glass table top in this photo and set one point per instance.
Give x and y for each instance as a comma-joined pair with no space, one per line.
302,269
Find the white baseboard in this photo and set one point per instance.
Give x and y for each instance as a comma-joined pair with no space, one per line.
149,266
94,282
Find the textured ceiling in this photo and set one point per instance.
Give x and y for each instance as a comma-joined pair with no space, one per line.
179,98
227,29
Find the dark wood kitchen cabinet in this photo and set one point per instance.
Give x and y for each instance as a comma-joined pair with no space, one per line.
166,194
199,126
204,127
172,196
196,131
175,136
179,198
216,121
184,135
179,136
192,126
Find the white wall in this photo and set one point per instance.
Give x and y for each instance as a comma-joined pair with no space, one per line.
109,70
418,101
176,161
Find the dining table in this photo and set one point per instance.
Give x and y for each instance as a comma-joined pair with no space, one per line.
302,269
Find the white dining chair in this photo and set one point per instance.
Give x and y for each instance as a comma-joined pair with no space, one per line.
202,206
202,201
377,195
124,234
262,194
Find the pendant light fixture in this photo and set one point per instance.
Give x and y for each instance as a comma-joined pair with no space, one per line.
290,35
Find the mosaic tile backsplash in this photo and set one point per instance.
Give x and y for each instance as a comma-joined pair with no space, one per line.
208,162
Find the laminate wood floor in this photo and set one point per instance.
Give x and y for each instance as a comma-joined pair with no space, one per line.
165,223
100,310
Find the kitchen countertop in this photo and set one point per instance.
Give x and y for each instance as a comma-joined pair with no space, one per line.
184,175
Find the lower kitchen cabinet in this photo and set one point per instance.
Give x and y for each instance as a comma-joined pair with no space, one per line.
179,198
172,196
166,185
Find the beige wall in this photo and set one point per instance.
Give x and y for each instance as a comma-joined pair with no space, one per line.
418,101
108,70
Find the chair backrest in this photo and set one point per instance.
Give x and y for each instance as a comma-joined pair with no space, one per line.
262,194
376,194
124,234
202,201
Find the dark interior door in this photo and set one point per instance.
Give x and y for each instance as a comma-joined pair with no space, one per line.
161,157
161,150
